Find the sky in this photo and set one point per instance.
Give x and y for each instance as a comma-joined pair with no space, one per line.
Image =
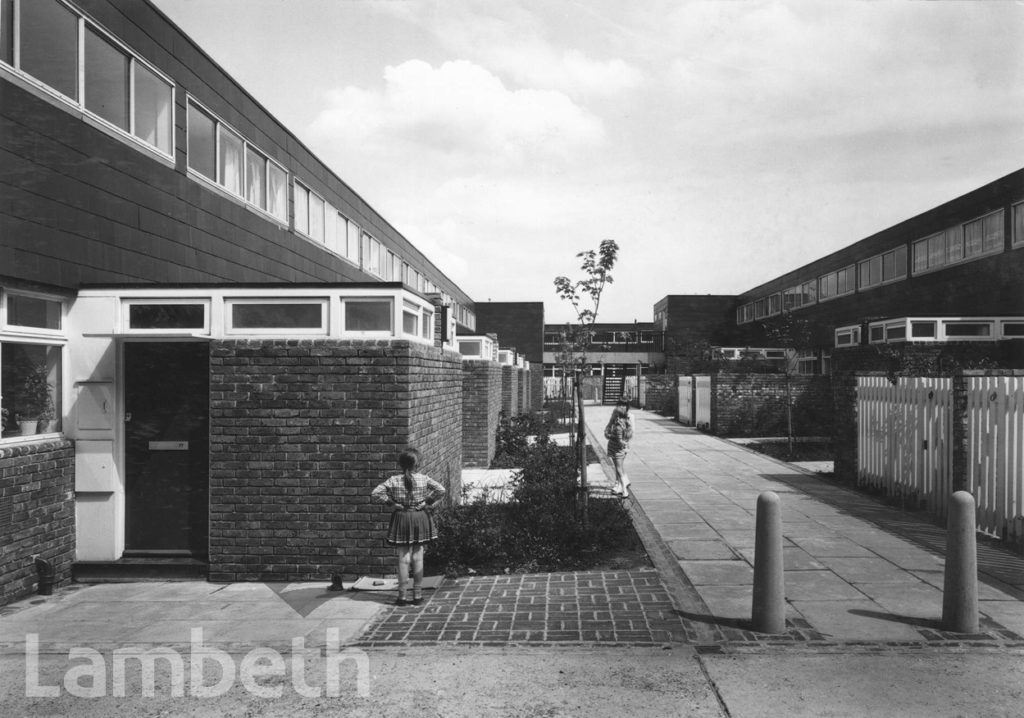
720,144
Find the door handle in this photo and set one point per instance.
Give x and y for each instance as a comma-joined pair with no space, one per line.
127,417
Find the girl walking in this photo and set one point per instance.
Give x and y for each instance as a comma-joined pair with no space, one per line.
412,527
619,432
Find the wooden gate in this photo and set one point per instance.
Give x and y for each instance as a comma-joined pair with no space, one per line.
995,454
702,402
904,439
686,400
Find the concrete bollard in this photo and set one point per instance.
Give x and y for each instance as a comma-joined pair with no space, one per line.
769,604
960,588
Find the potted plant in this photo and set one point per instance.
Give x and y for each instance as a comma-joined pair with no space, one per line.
33,402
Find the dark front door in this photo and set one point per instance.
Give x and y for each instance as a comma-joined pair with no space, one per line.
167,404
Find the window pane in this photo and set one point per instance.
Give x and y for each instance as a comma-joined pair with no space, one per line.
901,262
166,316
316,217
154,99
277,316
993,232
410,323
255,178
922,329
229,153
972,238
202,144
921,255
888,266
278,194
353,242
936,250
32,312
368,316
427,325
470,349
301,209
954,245
49,45
30,375
7,31
968,330
106,80
375,256
1018,224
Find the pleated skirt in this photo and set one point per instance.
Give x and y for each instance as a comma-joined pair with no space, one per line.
410,528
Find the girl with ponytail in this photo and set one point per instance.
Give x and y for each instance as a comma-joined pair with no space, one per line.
409,494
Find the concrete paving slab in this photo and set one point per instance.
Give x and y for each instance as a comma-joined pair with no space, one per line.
918,600
818,586
831,546
718,573
696,530
856,620
1010,614
865,570
701,550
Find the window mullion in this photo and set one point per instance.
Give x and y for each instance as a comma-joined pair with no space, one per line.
131,95
81,61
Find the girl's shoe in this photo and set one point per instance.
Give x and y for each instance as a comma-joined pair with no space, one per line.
418,601
401,602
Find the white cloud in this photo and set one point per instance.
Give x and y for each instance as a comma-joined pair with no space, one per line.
459,113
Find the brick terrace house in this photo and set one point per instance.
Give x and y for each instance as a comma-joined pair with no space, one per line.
953,275
211,346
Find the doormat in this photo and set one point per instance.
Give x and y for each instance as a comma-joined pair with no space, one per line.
368,583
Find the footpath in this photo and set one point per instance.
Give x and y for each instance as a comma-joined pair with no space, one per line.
863,588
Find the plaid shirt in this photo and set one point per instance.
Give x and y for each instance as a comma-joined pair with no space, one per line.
424,491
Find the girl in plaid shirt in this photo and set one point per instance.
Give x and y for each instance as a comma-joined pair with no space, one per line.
412,527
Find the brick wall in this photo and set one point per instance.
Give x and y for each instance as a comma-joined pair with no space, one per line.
37,514
510,390
301,432
481,410
755,405
661,393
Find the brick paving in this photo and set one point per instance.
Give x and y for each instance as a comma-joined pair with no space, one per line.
595,607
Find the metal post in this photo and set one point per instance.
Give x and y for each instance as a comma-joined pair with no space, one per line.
960,588
769,602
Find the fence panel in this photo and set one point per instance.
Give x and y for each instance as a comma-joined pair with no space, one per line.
995,453
686,400
702,402
904,439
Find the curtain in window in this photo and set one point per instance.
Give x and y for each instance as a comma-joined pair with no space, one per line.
255,178
229,149
277,181
992,229
154,99
202,142
301,209
316,217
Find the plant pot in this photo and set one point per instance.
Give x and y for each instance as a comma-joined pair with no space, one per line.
28,428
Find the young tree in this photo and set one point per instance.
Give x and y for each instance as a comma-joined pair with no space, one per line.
585,297
794,335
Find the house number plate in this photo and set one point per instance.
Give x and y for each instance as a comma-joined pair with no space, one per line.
168,446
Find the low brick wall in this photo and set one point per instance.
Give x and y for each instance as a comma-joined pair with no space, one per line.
481,410
661,393
301,432
37,514
510,390
755,405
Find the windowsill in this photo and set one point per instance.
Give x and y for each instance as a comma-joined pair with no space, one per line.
19,440
237,199
932,270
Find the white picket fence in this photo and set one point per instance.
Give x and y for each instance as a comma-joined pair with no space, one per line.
905,444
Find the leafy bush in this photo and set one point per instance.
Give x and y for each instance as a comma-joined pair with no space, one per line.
512,442
541,528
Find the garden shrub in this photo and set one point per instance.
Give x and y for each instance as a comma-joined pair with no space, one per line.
541,528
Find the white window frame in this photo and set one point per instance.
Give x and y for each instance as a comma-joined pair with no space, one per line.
853,331
389,332
961,230
18,334
1017,224
127,304
78,105
232,301
247,146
